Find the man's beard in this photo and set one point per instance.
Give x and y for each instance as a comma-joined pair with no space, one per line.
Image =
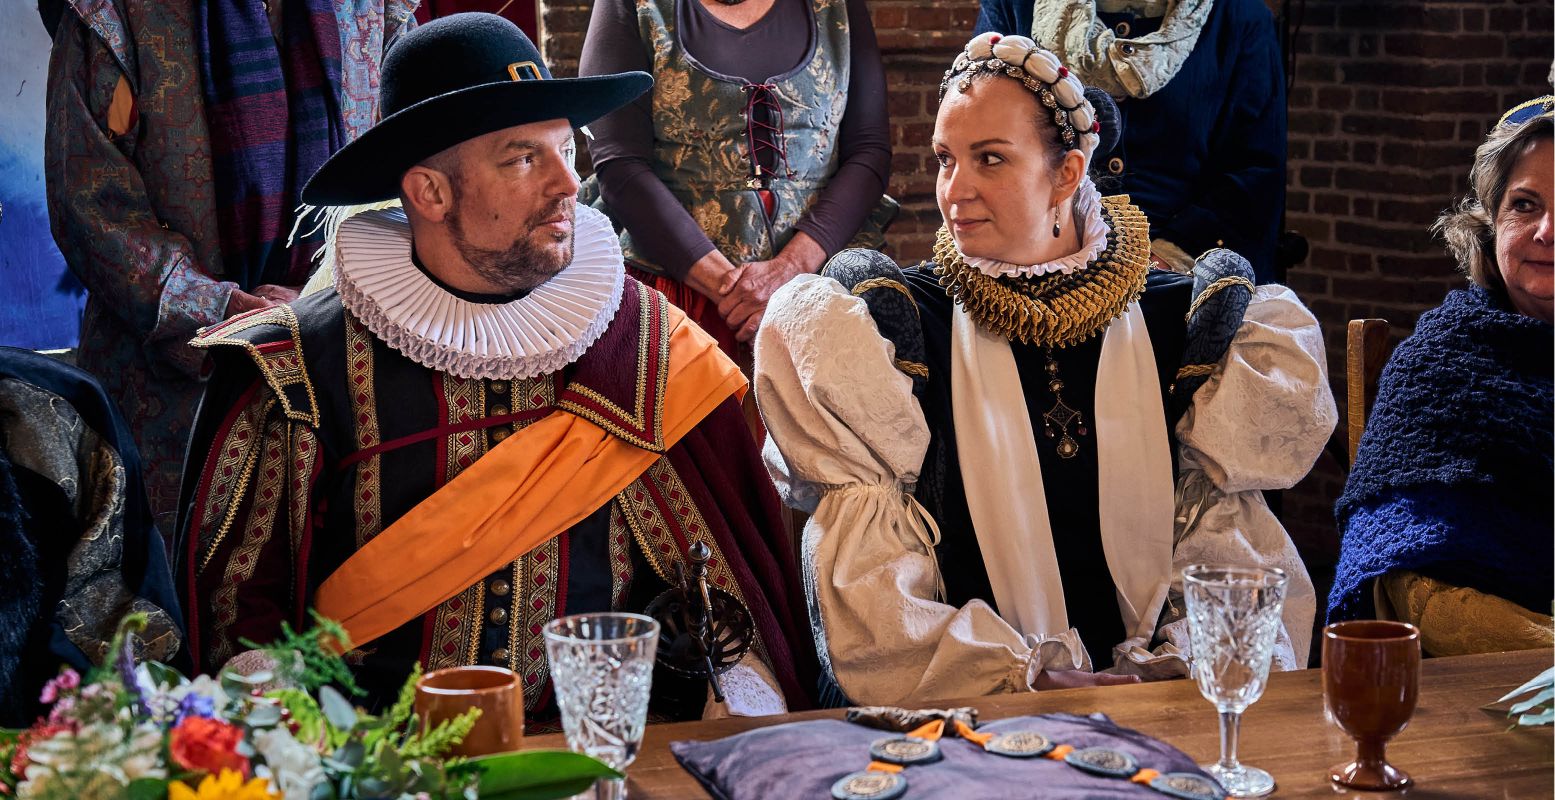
524,264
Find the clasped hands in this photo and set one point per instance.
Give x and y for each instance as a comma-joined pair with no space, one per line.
742,292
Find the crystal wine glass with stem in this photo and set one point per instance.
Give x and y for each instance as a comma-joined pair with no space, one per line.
1233,618
602,669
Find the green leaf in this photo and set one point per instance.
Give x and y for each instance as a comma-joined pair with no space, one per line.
264,715
164,675
337,709
147,789
1544,696
351,755
538,774
1545,678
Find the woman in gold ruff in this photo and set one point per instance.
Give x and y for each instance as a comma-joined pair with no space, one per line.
1010,450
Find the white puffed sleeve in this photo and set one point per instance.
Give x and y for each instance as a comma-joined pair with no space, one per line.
847,439
1259,422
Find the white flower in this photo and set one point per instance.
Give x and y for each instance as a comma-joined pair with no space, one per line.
203,685
96,761
292,767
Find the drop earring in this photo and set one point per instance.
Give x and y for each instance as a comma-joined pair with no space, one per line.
1056,229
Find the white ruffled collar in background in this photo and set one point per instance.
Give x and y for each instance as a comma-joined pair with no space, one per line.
1093,238
538,333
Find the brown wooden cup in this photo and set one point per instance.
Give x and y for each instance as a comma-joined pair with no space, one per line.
1371,683
447,693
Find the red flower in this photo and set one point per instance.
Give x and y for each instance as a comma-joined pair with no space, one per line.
199,744
37,733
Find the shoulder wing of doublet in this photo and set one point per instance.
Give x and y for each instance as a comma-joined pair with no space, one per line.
272,339
875,278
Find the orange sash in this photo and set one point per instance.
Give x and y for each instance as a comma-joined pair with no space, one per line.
533,486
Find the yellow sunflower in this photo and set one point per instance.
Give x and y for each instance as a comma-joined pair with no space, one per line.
227,786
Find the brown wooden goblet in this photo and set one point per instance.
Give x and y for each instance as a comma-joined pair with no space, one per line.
447,693
1371,682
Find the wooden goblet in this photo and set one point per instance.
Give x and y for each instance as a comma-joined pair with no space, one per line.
1371,683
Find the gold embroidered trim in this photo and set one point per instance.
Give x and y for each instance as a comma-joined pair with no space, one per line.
1210,290
621,567
281,369
1195,370
305,456
638,418
918,369
235,456
262,514
1055,310
535,594
362,383
466,400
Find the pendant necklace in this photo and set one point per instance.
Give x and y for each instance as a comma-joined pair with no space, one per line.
1056,420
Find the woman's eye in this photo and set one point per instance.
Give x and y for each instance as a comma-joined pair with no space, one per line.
943,159
992,159
1524,205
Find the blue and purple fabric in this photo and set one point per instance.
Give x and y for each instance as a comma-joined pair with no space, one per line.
804,759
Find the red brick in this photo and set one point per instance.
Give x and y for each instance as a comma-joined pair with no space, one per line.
1457,47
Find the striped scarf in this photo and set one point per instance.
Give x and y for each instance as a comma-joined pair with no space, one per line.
274,117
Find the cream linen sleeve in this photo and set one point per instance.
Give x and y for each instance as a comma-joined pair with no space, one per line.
1258,423
847,441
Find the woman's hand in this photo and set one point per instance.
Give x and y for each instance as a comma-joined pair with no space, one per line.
712,276
744,306
1076,679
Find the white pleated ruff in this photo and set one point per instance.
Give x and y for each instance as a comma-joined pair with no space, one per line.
538,333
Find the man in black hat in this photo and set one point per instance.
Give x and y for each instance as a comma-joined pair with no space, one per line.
485,423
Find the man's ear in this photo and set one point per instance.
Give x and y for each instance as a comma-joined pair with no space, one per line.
427,193
1071,171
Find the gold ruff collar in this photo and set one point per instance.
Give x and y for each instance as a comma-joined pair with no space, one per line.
1055,310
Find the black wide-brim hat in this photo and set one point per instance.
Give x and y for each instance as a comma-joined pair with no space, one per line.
449,81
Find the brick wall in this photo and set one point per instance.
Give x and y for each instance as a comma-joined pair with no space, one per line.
1389,101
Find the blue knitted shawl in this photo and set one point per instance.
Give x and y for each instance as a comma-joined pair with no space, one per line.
1453,478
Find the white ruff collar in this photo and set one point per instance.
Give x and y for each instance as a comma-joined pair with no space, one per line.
538,333
1094,240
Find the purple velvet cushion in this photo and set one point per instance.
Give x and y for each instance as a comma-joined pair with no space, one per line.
804,759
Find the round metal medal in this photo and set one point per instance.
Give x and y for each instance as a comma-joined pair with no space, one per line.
869,785
905,750
1020,744
1102,761
1187,786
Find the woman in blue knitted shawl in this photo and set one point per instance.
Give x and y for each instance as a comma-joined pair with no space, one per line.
1447,513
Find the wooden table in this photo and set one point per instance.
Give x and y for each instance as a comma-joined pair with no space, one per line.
1452,747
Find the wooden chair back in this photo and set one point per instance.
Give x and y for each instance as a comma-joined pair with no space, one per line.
1366,350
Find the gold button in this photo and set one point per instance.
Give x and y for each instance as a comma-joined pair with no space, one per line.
1115,165
500,387
500,587
498,411
499,615
1220,242
500,655
1124,29
500,434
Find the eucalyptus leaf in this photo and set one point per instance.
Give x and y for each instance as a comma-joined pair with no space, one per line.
1531,703
164,675
337,709
264,715
351,754
323,791
539,774
373,787
146,789
1545,678
1545,718
258,678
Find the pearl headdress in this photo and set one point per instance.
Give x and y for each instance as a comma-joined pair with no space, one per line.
1040,72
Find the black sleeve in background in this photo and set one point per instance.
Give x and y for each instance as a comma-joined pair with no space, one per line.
622,149
865,143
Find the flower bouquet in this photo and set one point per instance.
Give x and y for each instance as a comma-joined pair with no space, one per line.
145,732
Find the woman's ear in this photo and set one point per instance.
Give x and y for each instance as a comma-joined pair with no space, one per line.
1071,170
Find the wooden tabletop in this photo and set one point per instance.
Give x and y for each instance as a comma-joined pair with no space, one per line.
1453,748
